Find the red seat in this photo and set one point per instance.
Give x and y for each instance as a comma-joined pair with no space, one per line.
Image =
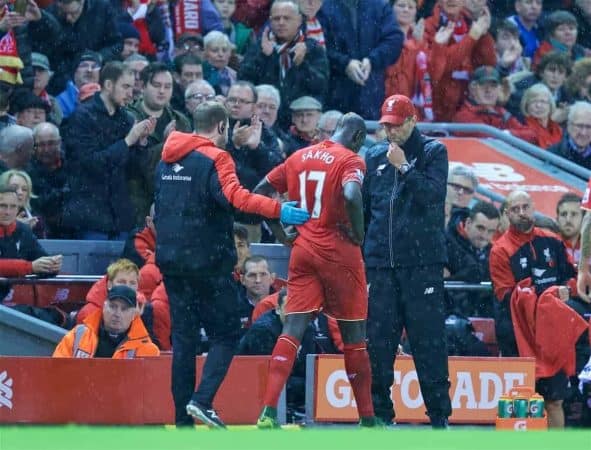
484,329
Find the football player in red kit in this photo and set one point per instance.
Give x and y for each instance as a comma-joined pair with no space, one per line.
326,270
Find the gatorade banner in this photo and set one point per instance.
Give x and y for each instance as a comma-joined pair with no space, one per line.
503,174
476,386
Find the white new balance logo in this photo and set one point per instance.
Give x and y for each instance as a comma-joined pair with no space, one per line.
280,358
176,167
5,390
429,291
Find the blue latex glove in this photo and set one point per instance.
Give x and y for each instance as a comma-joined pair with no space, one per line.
292,215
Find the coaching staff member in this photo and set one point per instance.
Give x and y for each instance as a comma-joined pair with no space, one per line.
195,196
404,253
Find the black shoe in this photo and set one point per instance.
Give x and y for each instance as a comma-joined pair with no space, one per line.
208,416
439,423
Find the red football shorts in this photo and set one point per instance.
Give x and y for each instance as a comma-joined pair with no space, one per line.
315,284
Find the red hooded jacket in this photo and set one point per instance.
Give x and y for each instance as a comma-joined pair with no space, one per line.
450,65
545,328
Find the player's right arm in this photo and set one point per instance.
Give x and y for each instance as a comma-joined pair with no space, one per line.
275,183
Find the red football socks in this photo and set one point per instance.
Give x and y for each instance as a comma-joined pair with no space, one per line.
282,360
359,374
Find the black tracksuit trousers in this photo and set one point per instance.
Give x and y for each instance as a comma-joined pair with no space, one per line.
212,303
408,298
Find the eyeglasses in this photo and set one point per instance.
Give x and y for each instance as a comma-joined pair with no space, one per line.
580,126
459,188
325,131
267,106
200,97
238,101
89,66
45,144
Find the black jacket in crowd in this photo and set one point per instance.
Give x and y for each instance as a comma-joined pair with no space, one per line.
253,164
97,160
404,214
309,78
469,264
566,150
50,187
64,43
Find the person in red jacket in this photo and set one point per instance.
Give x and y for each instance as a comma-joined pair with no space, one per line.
458,43
481,106
401,76
526,251
121,272
141,244
537,107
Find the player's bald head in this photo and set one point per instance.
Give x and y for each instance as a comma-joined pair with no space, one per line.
518,196
350,131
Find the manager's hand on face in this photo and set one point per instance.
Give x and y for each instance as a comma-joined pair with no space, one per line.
292,215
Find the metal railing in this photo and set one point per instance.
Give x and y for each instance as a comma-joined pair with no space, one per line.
59,279
520,144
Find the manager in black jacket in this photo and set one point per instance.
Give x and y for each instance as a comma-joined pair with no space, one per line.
404,253
196,192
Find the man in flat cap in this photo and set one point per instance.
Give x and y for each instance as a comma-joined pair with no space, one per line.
305,114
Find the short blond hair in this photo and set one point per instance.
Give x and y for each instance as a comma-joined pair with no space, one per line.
121,265
534,91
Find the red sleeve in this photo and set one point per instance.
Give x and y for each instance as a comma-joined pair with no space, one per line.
161,311
150,277
94,299
500,273
353,170
484,53
586,203
237,195
278,178
15,267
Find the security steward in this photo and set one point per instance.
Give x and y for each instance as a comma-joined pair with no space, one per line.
116,331
404,250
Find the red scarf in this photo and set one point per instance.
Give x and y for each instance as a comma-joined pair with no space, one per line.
284,52
297,133
187,17
10,63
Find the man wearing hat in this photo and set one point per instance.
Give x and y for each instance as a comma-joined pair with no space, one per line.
305,114
404,250
87,71
29,110
115,332
42,74
481,105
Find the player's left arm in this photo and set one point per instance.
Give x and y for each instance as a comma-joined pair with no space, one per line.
354,208
352,182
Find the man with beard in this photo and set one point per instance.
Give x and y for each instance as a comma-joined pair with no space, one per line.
526,251
101,142
87,71
569,217
197,192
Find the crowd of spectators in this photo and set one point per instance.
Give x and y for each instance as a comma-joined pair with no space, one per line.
286,70
90,90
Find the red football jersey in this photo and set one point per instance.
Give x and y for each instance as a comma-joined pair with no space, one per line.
314,176
586,203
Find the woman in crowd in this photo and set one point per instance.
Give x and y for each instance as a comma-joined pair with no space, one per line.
537,107
217,52
24,191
